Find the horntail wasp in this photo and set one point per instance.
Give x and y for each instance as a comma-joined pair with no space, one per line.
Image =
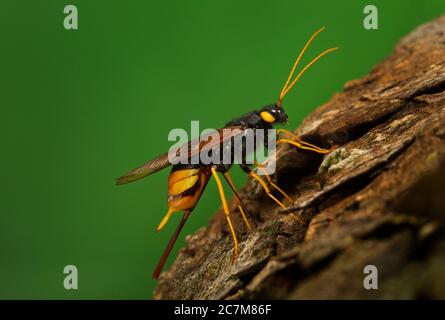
187,182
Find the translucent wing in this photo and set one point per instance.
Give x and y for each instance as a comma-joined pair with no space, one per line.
144,170
194,147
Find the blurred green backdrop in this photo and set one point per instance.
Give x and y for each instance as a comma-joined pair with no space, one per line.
81,107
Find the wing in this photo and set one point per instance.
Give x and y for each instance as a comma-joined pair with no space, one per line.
144,170
208,142
194,147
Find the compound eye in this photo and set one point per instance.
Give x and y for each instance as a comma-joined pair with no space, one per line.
266,116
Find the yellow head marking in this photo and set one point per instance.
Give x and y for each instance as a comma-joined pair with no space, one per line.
266,116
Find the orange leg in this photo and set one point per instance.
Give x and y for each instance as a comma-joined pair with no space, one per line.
165,220
278,188
305,147
226,212
240,208
266,188
304,143
269,179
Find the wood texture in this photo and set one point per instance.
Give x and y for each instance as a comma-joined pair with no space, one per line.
378,199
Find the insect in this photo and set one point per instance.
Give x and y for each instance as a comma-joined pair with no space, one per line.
187,182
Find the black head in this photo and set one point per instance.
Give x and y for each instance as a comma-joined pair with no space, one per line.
273,114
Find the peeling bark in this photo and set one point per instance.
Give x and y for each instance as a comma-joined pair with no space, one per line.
378,198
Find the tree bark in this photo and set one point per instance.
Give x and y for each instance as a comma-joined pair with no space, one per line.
377,199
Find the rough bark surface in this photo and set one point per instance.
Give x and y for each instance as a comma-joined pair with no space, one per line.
377,199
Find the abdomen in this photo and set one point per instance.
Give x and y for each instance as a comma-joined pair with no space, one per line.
185,186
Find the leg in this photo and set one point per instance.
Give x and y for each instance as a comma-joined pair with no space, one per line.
260,165
305,147
241,207
252,174
226,211
165,220
278,188
304,143
266,188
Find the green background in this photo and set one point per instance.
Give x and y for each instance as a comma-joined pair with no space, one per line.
81,107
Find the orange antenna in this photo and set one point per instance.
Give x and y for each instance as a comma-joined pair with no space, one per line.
286,86
299,58
304,69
